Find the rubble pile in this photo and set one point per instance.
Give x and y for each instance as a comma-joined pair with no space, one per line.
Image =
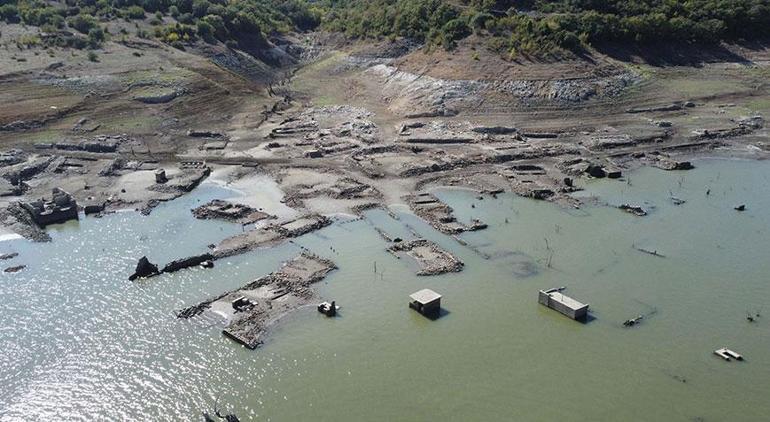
440,215
251,308
431,259
228,211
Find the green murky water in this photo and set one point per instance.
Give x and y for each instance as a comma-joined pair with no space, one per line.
79,342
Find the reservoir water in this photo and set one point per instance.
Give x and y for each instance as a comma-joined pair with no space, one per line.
80,342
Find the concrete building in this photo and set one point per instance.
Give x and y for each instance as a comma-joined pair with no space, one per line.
556,300
426,302
613,172
62,207
160,176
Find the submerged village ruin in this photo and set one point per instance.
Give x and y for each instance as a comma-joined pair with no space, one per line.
338,157
346,129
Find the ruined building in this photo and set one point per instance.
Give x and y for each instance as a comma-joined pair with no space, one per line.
62,207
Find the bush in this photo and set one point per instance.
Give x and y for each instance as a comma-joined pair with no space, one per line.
135,12
173,34
479,21
184,6
9,13
96,37
29,40
200,8
205,30
41,16
92,56
218,26
82,23
154,5
185,18
456,29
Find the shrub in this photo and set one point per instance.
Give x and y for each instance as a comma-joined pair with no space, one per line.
205,30
456,29
135,12
41,16
217,24
96,36
29,40
185,18
154,5
200,8
9,13
82,23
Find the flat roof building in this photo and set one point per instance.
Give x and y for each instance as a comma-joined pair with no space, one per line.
426,302
556,300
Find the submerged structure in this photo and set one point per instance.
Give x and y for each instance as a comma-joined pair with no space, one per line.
62,207
556,300
426,302
728,354
328,309
247,312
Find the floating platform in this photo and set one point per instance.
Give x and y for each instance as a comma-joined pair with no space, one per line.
554,299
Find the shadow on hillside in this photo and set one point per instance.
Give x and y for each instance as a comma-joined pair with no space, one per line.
679,53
